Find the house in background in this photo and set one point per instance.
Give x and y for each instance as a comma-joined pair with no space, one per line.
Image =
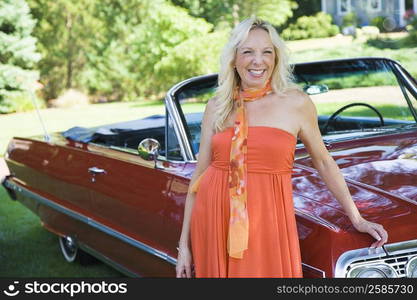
366,10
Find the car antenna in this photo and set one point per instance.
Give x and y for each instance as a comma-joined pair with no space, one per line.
46,136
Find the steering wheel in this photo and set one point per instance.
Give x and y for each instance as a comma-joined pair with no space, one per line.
337,112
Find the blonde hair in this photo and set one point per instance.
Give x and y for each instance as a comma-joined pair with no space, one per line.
281,79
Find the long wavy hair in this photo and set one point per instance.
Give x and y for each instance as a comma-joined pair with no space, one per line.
282,76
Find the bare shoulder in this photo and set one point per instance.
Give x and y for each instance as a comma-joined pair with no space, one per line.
298,98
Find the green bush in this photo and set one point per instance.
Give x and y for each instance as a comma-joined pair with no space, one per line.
18,101
378,22
317,26
350,19
384,24
127,64
196,56
412,34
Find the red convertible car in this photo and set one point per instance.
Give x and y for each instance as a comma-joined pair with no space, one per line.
117,191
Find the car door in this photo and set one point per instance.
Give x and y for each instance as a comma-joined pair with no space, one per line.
56,173
129,195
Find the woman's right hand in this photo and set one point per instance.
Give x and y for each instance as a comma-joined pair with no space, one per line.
184,266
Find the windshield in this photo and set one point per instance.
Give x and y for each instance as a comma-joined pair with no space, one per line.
355,95
351,96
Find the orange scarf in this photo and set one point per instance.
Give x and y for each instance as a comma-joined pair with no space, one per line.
238,235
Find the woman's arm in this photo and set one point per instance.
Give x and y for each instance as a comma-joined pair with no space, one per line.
183,267
329,171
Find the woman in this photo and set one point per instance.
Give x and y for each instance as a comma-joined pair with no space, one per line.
239,218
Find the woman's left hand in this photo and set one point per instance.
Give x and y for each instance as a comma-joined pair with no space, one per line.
377,231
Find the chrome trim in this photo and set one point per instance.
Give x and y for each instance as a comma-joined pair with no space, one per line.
410,84
401,247
179,85
373,255
307,266
407,267
90,222
179,128
378,265
122,149
404,85
350,256
349,59
107,260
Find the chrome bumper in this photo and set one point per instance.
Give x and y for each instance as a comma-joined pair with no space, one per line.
395,255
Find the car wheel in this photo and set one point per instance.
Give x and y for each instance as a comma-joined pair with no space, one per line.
72,252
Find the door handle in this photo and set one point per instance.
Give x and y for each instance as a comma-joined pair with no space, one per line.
95,171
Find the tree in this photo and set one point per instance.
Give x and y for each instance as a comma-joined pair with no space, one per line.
274,11
137,35
306,8
130,49
109,48
66,31
233,11
18,54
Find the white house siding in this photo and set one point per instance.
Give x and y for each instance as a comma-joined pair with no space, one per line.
331,9
389,8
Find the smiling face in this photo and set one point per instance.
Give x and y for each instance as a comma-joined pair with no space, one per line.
255,59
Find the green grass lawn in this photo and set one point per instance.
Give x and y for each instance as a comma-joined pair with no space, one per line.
28,250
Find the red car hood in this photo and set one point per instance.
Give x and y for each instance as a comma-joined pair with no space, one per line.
381,174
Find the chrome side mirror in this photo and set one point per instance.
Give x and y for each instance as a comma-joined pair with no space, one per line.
149,149
315,89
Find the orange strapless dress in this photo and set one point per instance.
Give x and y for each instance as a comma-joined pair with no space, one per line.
273,248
